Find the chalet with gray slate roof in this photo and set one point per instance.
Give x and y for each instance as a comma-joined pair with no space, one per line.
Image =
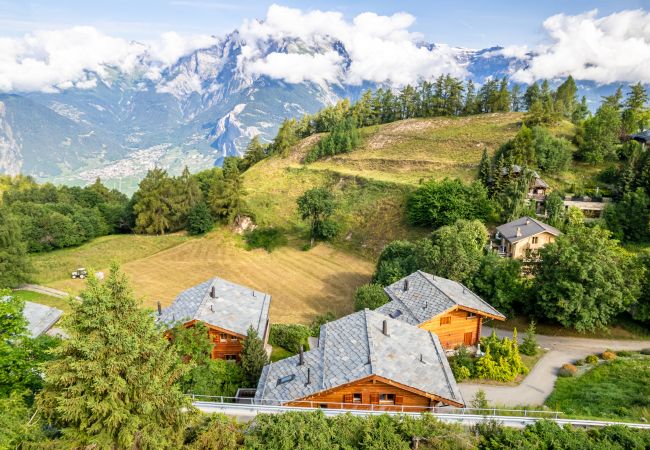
444,307
226,309
522,238
364,360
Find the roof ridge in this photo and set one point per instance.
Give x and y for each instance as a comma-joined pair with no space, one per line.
442,365
368,337
321,346
436,287
395,298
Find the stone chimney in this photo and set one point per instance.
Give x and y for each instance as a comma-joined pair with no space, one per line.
406,284
518,231
213,292
384,328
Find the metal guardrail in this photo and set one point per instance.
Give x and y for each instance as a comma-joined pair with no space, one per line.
373,407
467,416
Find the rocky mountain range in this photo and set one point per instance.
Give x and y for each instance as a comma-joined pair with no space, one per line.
199,110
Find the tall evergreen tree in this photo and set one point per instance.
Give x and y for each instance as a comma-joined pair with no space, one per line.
253,357
154,203
188,194
226,199
485,169
470,99
531,96
113,382
14,262
516,100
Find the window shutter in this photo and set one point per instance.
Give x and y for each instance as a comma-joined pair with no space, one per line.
399,399
347,398
374,398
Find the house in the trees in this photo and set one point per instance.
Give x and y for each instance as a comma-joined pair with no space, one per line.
441,306
591,207
642,137
522,238
365,360
227,310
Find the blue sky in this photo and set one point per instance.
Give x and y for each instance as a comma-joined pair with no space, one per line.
470,23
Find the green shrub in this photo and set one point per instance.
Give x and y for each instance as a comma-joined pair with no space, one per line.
267,238
625,354
608,355
370,296
314,326
501,361
461,373
568,370
592,359
579,362
529,345
289,336
199,219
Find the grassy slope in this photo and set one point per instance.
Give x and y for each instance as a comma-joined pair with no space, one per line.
372,182
616,389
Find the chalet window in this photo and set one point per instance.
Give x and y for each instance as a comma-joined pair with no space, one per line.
386,399
471,315
535,238
234,338
223,337
323,405
445,320
230,357
356,397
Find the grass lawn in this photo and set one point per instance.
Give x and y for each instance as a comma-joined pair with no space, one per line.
279,353
35,297
98,254
625,329
303,284
614,389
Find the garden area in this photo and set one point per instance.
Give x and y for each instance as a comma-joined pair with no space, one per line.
610,385
500,361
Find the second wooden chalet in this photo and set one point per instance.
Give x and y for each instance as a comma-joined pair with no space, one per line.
445,307
365,360
227,310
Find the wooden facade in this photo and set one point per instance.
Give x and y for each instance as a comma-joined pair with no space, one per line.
455,327
374,392
227,344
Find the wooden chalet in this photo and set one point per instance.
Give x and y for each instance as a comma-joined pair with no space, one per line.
444,307
226,309
365,360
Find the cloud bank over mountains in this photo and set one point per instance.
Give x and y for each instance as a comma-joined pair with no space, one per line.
374,48
601,49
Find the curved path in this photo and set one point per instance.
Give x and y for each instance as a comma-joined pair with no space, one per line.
540,382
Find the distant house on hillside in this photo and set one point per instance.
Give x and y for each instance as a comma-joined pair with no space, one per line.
537,189
365,360
591,207
643,137
227,309
522,238
444,307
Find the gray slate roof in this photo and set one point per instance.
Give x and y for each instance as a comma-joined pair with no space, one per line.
40,318
235,307
643,136
527,226
354,347
427,296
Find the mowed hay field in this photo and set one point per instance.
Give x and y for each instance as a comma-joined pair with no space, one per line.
303,284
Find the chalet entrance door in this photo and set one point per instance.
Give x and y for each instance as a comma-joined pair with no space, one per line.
467,339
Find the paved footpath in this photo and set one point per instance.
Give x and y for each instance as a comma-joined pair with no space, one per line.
540,381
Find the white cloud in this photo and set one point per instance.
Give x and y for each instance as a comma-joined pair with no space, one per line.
603,49
380,48
59,59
